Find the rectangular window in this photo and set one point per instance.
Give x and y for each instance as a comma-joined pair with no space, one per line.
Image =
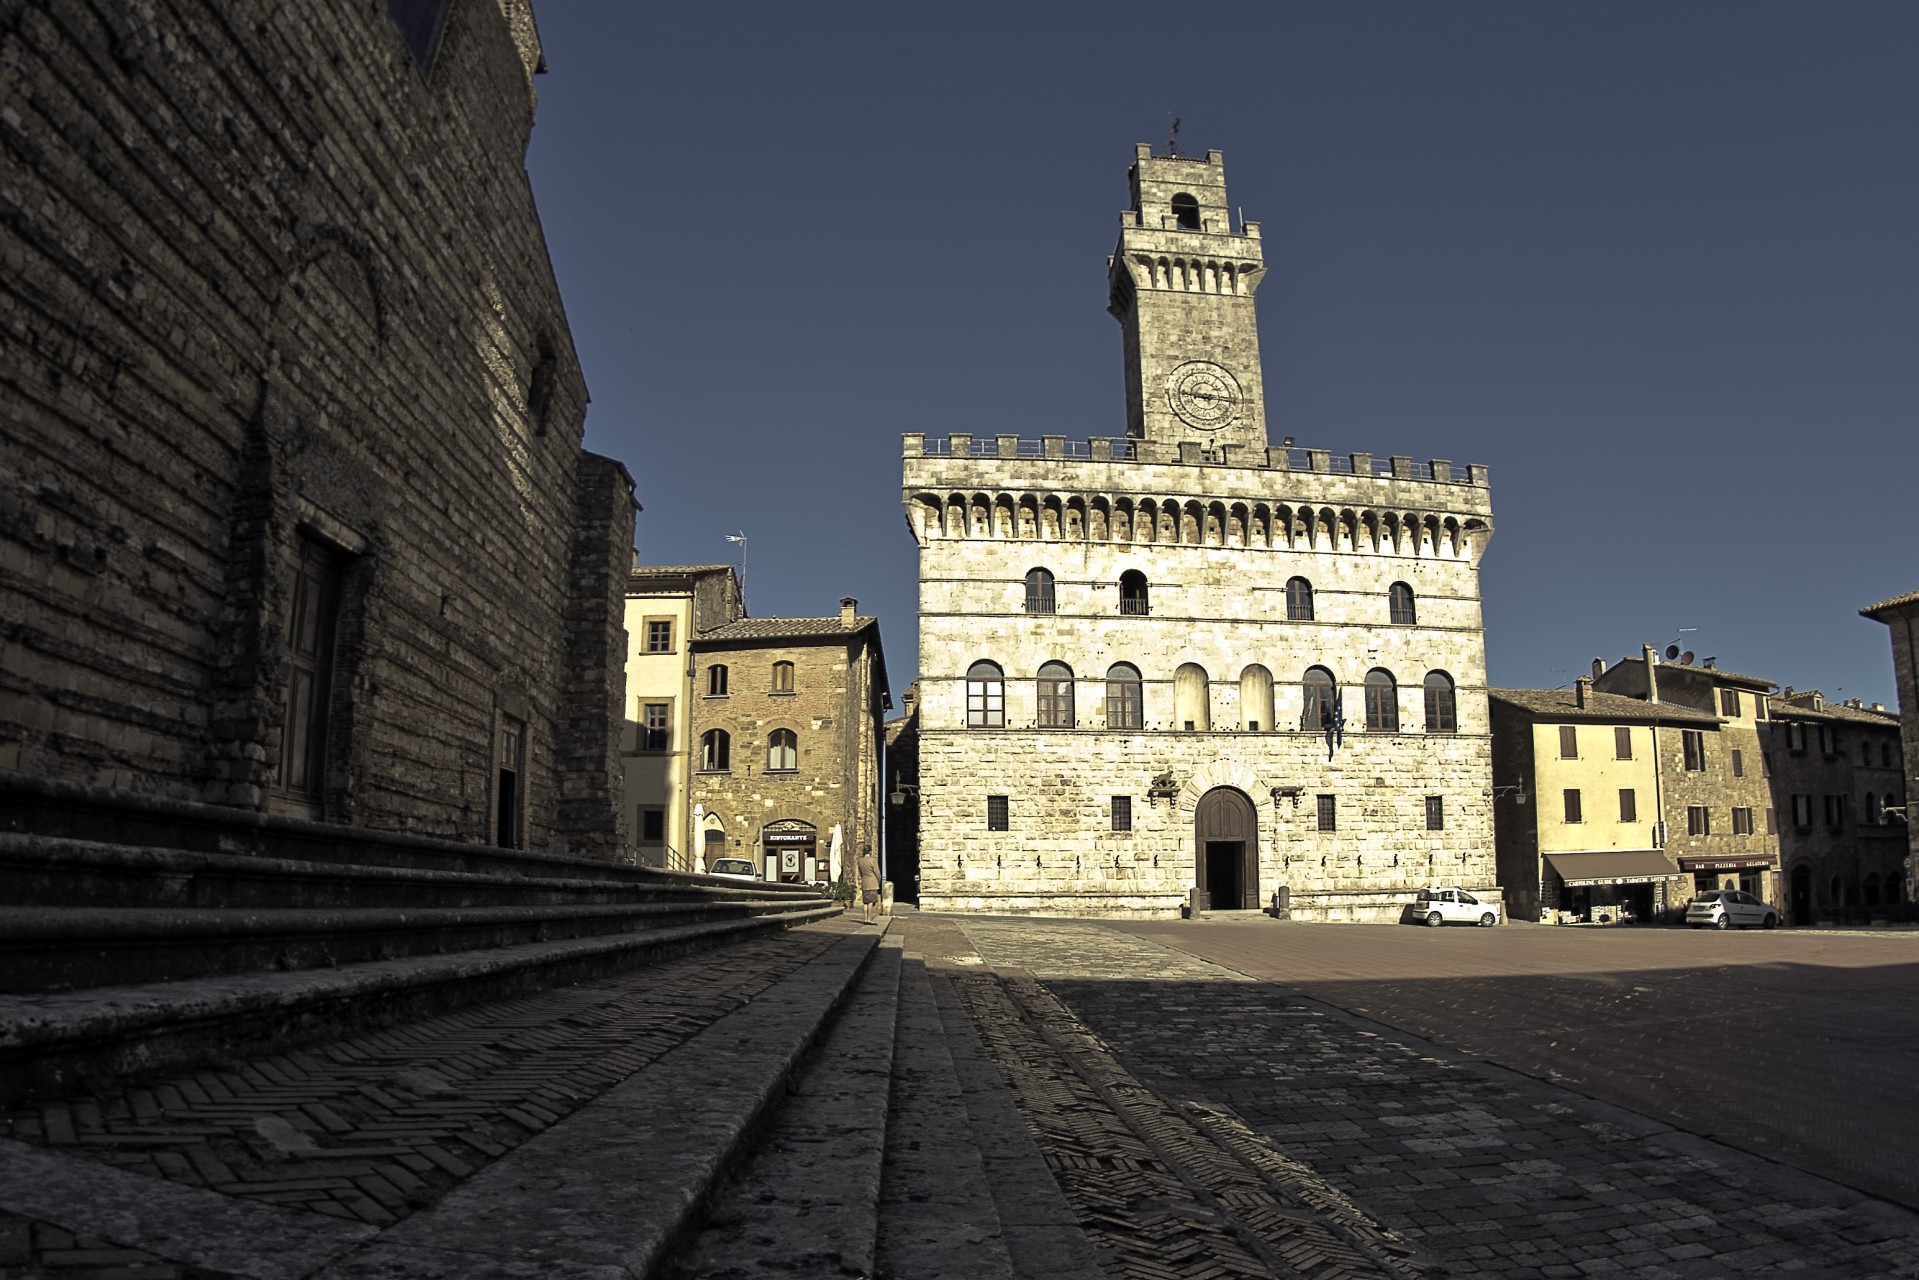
998,814
1573,813
782,677
716,679
1765,763
1742,822
312,620
1802,811
1122,813
1828,743
656,723
1568,742
1435,813
1796,737
508,796
1628,805
1835,812
1694,743
652,826
1698,820
1729,702
659,635
1622,743
1328,813
1772,821
1738,763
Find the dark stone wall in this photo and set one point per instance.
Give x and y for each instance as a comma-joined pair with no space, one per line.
264,281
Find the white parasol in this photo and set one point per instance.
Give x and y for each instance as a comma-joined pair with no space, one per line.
833,856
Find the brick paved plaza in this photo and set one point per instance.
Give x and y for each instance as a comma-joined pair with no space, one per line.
1492,1171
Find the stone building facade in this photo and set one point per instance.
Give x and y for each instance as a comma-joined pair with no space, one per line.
294,515
1183,661
666,606
1715,799
1839,794
786,723
1901,616
1579,816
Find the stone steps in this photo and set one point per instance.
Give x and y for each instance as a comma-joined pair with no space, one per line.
141,934
50,949
898,1154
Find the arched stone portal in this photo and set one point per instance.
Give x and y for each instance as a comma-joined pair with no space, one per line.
1226,850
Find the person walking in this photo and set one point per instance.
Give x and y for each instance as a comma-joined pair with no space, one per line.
869,883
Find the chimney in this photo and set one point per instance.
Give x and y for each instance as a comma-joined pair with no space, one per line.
1582,692
1878,706
1652,673
849,610
1599,667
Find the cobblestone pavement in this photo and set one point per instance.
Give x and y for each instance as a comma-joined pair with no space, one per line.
1738,1036
373,1127
1489,1171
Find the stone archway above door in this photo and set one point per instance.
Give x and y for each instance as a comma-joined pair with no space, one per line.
1223,773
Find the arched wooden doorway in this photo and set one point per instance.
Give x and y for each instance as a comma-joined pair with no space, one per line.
1226,850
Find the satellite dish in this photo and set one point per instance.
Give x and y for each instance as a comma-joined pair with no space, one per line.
1672,651
1685,659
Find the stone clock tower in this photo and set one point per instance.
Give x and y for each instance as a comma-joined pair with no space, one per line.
1182,285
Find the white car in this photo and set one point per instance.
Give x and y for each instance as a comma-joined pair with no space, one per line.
1725,908
732,869
1456,906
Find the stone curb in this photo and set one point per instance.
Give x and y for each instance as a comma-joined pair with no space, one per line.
611,1189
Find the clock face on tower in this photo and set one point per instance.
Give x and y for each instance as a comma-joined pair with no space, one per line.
1203,394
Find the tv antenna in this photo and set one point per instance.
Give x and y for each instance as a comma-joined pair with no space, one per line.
1172,138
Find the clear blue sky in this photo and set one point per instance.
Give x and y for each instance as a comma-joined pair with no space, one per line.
1656,264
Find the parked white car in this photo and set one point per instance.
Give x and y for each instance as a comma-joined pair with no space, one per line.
732,869
1727,908
1448,905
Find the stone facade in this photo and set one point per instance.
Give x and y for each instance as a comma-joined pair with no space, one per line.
1839,793
1901,616
786,742
293,510
1714,795
666,606
1154,570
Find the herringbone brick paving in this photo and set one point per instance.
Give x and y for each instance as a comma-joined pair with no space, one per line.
380,1124
1491,1173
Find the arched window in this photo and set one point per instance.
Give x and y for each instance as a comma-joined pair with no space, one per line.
1382,702
1055,696
1132,593
1316,702
1125,698
1299,600
1039,591
716,751
1256,698
782,751
1872,889
782,677
716,681
1192,705
1185,212
985,696
1400,603
1441,714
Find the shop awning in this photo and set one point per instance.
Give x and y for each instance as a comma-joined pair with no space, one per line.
1613,866
1729,864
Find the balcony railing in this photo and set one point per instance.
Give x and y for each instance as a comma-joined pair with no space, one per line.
1135,608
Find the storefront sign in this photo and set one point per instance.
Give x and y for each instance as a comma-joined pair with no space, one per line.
775,839
1727,864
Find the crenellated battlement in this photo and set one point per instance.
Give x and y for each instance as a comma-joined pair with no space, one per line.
1194,454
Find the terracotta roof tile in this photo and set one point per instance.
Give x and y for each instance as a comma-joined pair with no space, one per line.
1873,610
781,628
